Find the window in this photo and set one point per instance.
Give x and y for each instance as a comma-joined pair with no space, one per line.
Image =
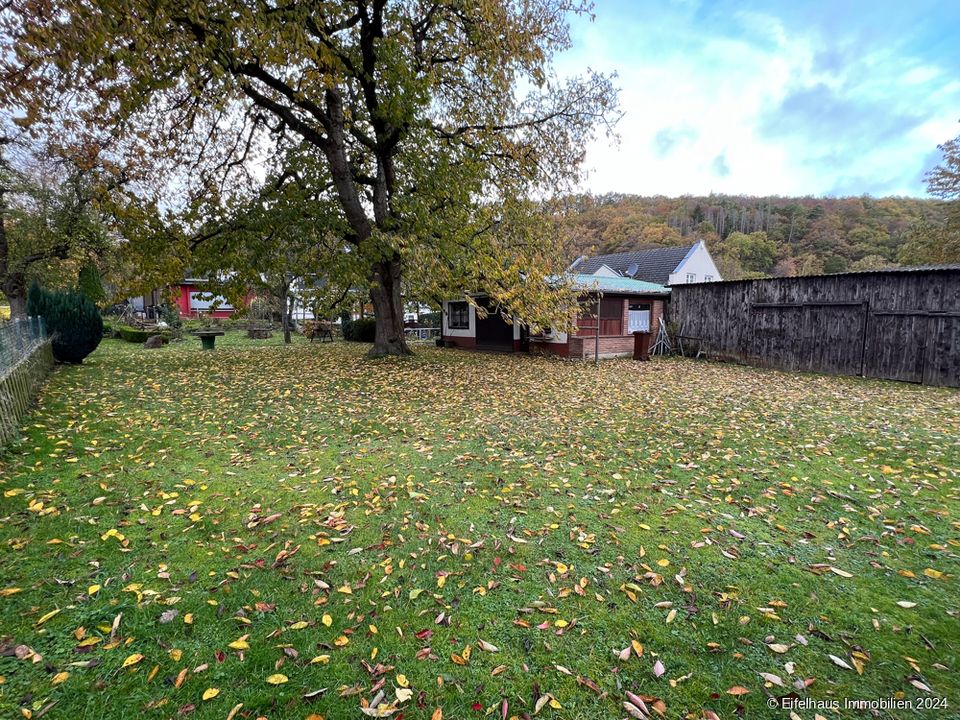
611,318
707,278
638,319
458,315
691,277
205,301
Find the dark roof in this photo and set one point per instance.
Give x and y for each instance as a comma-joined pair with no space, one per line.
654,265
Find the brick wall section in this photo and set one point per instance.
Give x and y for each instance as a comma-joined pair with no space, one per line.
583,347
19,388
656,312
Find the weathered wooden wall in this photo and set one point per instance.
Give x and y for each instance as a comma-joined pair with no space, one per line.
898,325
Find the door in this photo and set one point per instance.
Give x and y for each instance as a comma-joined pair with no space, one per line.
493,332
896,346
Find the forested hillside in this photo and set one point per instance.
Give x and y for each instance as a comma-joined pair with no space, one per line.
753,236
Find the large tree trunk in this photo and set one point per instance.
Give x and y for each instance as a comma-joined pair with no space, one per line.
388,310
18,305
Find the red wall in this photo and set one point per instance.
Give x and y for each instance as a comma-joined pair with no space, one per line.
183,302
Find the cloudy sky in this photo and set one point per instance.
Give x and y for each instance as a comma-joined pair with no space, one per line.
819,97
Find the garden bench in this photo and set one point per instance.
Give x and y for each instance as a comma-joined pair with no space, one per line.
259,332
316,329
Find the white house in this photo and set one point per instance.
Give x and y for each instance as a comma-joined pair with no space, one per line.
663,266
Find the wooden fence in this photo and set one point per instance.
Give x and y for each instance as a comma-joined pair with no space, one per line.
895,324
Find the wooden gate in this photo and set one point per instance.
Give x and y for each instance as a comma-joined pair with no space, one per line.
896,346
832,337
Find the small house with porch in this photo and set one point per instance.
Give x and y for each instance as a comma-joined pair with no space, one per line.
610,310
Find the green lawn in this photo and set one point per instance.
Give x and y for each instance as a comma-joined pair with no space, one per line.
477,530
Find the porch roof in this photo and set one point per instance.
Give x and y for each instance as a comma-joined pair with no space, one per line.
622,285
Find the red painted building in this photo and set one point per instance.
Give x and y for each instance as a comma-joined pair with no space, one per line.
192,301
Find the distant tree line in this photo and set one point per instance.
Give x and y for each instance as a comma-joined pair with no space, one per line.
780,236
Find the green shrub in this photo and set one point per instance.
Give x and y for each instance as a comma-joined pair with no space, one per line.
134,335
72,320
362,330
170,314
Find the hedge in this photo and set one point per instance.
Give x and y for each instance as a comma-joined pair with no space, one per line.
362,330
134,335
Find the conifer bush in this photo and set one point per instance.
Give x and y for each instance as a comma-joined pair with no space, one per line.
73,322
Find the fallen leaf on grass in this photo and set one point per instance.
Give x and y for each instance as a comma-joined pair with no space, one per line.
840,662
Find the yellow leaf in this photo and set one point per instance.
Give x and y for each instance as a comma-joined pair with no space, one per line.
7,592
239,645
278,679
402,681
210,693
188,618
175,654
132,660
93,590
59,678
341,641
320,660
931,573
327,620
299,625
46,617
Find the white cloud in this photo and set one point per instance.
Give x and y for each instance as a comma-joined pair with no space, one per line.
752,94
